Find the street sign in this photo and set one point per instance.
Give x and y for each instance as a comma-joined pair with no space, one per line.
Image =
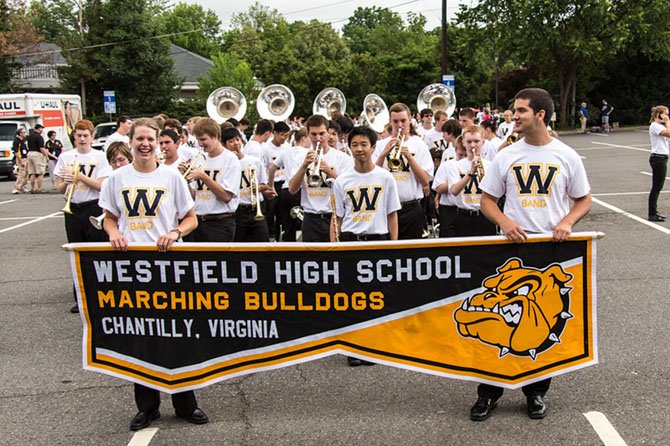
449,81
109,99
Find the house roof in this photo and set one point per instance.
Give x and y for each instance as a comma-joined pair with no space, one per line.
189,65
43,53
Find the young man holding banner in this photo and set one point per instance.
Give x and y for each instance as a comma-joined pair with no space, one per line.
366,200
547,191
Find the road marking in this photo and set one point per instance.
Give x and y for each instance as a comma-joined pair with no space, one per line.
25,218
29,222
9,201
143,437
650,174
608,435
602,135
631,216
616,194
620,146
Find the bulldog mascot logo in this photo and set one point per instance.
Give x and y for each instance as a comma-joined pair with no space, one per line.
521,311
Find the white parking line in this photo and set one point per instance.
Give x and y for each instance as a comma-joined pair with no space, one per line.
26,218
631,216
29,222
620,146
649,174
617,194
143,437
604,429
9,201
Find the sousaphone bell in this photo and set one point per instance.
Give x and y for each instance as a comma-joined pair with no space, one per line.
437,97
225,103
275,102
375,112
329,102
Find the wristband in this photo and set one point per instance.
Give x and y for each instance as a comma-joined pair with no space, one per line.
177,231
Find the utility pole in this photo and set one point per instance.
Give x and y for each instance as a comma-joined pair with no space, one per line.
444,37
80,4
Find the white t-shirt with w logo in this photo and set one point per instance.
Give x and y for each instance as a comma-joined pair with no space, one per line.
147,205
538,182
364,200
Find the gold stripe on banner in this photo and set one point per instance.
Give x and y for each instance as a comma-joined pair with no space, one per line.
517,325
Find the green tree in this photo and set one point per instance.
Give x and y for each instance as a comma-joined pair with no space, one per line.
201,28
560,37
17,35
119,50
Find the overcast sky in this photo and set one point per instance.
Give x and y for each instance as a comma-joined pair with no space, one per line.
332,11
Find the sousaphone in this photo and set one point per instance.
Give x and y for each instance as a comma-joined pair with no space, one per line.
437,97
375,112
225,103
275,102
329,102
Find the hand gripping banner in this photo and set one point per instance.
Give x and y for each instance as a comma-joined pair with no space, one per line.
480,309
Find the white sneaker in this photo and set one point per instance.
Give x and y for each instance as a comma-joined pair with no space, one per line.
15,191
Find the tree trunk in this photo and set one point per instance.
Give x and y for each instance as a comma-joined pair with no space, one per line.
567,84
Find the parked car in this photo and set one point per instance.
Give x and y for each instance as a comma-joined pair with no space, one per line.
101,132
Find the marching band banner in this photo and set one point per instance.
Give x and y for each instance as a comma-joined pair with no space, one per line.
480,309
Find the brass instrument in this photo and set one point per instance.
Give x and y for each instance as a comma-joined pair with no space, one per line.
333,219
375,112
225,103
479,168
97,221
255,196
70,190
437,97
512,138
329,102
195,163
314,169
275,102
297,212
395,158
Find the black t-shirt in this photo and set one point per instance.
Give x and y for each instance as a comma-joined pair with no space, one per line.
54,147
35,142
20,145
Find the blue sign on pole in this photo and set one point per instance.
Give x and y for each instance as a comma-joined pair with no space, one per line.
449,81
109,99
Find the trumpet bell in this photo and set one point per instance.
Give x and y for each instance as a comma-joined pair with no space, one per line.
275,102
97,221
225,103
329,102
375,112
437,97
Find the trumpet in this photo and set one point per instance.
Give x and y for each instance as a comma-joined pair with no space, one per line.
97,221
255,197
197,162
479,168
333,219
70,191
297,212
512,138
394,161
314,169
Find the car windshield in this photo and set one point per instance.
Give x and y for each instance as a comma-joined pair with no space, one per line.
104,130
7,132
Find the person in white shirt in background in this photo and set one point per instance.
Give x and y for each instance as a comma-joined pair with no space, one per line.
272,149
215,184
507,127
659,134
123,125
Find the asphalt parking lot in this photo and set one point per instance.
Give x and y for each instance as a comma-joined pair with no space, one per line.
50,400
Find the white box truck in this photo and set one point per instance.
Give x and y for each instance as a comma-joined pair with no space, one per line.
58,112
